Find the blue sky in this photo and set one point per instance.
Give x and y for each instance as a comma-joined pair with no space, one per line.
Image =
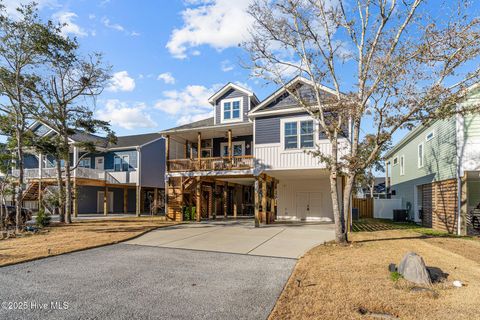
167,56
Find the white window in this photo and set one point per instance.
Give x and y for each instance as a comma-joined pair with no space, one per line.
420,155
238,148
84,163
402,165
298,134
430,136
232,110
395,161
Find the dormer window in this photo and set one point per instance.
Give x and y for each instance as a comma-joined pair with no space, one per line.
232,110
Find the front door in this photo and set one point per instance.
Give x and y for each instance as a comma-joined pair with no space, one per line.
99,165
302,205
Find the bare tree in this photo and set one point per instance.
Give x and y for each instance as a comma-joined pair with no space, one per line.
391,65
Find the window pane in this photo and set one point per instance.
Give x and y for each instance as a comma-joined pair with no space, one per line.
306,141
116,164
290,128
306,127
236,114
125,163
291,142
226,106
237,150
226,115
236,105
225,151
227,112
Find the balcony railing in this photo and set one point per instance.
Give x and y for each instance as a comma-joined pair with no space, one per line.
211,164
85,173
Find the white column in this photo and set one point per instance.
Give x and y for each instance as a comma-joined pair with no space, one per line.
75,160
40,165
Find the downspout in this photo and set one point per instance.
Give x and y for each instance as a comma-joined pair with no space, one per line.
459,150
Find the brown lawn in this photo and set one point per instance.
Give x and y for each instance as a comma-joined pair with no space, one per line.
58,238
333,282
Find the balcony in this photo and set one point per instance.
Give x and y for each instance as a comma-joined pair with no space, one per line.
211,164
110,177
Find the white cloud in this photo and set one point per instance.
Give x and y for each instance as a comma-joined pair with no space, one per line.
121,81
12,5
67,18
226,66
135,34
166,77
115,26
120,114
218,23
189,104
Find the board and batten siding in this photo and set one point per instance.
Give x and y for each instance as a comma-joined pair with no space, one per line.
232,93
269,150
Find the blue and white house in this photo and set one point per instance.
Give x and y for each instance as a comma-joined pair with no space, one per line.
125,177
250,159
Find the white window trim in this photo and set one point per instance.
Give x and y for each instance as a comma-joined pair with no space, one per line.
422,156
432,133
231,100
103,162
393,161
402,165
85,159
238,143
298,120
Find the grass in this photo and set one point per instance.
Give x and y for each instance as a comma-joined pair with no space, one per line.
60,238
353,282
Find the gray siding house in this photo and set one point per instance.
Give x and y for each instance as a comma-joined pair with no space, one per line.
249,159
125,177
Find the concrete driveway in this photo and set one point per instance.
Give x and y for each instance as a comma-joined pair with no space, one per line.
278,240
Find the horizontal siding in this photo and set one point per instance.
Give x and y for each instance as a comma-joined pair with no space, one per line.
439,155
267,129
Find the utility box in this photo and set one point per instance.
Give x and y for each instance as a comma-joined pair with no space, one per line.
400,215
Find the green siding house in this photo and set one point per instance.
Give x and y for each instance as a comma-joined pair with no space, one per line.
435,171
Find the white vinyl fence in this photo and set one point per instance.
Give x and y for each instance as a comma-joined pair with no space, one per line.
383,208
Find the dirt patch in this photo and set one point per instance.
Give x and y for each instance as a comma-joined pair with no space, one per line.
353,282
59,238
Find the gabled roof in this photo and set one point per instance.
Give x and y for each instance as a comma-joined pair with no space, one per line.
229,86
137,140
282,90
209,122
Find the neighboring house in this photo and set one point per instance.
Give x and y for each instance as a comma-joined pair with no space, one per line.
435,170
376,190
131,173
250,158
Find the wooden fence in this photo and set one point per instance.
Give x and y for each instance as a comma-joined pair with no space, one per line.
364,206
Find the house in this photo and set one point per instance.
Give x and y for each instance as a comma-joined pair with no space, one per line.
250,159
435,170
125,177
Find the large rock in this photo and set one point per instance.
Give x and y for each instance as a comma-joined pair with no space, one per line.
412,268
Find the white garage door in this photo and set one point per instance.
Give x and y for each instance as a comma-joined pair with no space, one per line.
309,205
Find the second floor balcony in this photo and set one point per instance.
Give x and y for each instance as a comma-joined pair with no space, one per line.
110,177
243,162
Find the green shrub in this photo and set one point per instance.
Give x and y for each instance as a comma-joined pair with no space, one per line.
395,276
42,219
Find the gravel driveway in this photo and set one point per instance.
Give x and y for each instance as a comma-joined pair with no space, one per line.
143,282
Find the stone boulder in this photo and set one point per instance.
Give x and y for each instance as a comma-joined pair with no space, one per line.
412,268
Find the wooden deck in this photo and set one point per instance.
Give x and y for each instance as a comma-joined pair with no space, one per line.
211,164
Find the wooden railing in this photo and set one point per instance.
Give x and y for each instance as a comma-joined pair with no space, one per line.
211,164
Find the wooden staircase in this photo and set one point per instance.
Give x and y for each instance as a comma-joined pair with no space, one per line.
32,191
177,188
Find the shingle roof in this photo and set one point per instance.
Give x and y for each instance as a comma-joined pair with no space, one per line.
135,140
197,124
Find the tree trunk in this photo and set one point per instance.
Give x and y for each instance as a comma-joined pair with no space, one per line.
68,183
2,211
347,199
61,192
19,189
340,235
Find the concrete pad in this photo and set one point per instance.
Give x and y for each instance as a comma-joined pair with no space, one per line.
278,240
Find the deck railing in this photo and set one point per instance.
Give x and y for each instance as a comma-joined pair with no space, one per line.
85,173
211,164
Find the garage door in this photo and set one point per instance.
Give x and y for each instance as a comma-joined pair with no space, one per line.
309,205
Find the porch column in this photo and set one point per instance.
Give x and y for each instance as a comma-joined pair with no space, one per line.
235,203
75,198
225,200
155,201
463,205
138,200
257,202
198,193
75,160
105,201
125,200
167,152
40,175
386,179
229,134
199,150
215,200
264,199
